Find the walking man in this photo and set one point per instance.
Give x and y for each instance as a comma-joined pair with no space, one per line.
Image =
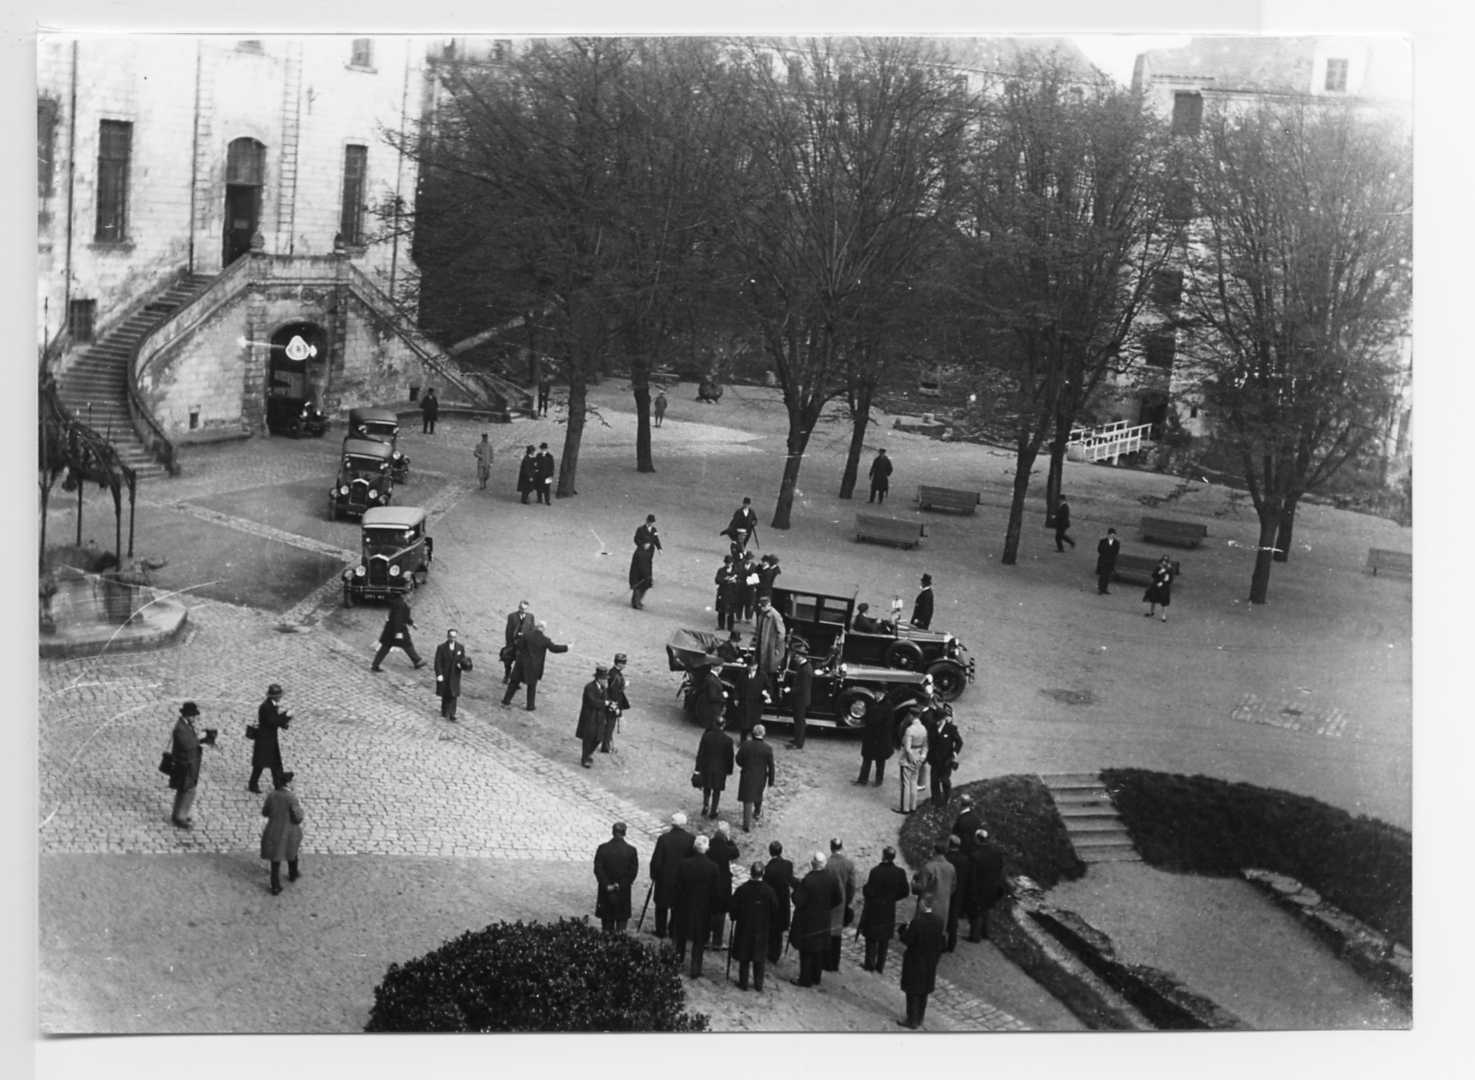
877,741
913,753
450,661
592,712
885,887
801,686
545,391
778,874
755,760
519,623
843,913
616,866
266,750
709,698
922,606
527,473
672,846
1062,523
660,411
642,571
1107,549
483,455
923,938
396,633
187,750
545,469
714,764
880,477
429,411
743,526
693,896
532,649
648,534
755,910
618,703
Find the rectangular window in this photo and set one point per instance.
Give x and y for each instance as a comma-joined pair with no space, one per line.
250,45
1161,347
1336,76
362,53
1167,288
355,165
46,110
1180,201
1188,113
114,150
82,317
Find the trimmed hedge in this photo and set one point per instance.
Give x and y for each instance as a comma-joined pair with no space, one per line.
1202,825
562,976
1021,819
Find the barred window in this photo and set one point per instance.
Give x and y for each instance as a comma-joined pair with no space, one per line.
355,168
114,152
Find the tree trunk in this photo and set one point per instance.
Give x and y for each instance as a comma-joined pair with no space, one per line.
860,420
568,464
1260,582
797,441
1285,527
643,462
1024,463
1056,475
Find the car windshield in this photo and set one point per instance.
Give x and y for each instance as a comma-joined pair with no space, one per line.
355,464
386,541
376,430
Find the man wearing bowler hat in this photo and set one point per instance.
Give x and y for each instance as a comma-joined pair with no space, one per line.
592,713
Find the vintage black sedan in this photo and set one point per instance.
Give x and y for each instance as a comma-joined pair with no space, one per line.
364,480
381,425
396,554
841,695
823,621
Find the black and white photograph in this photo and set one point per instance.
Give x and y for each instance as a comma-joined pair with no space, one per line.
785,533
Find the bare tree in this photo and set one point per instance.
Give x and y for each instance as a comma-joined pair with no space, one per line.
1299,290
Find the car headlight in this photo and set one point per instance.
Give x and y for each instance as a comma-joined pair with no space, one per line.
398,456
842,671
394,571
343,490
373,493
359,571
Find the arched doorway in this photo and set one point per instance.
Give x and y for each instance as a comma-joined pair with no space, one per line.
294,374
245,174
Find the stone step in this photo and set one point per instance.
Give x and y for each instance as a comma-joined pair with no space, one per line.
1086,810
1083,800
1054,780
1106,838
1100,855
1090,830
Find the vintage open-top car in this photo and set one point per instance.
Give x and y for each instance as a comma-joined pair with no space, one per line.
396,554
841,695
822,621
383,426
364,480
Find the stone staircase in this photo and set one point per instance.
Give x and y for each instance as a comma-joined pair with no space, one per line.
1096,832
94,386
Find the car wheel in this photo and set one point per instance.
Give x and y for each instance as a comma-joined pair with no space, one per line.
853,708
904,655
949,678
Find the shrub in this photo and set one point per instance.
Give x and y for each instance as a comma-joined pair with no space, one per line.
1021,819
562,976
1202,825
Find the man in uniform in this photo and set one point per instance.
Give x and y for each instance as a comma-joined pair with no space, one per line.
672,846
532,649
619,704
616,866
592,712
755,760
450,661
396,633
801,685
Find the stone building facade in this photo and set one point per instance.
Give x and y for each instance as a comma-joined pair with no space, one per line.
259,168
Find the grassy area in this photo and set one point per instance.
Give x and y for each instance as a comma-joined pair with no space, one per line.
1200,825
1021,819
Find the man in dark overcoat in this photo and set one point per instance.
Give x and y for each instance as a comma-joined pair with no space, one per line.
754,911
877,741
694,895
1062,524
593,710
714,762
942,756
532,649
429,412
709,698
641,577
745,569
648,533
963,876
544,472
801,689
750,687
527,473
618,702
743,526
726,600
880,477
722,850
923,938
755,760
1107,549
814,895
922,606
396,633
986,884
520,622
778,874
672,846
885,887
616,866
968,822
450,661
266,750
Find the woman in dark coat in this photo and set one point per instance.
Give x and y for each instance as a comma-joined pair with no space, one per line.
924,938
282,835
1161,589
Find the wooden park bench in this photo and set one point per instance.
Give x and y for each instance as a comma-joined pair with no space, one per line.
1178,533
889,530
1395,562
941,498
1137,569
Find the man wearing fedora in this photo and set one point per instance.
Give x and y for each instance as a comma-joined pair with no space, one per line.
186,750
755,775
266,751
592,713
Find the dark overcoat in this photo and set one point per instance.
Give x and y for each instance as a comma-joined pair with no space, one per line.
922,610
754,909
672,846
615,692
750,701
755,759
778,874
518,624
266,750
878,738
545,466
715,758
532,649
592,711
966,827
801,686
924,938
187,752
986,882
397,624
943,745
616,866
642,567
695,896
1107,549
708,698
885,887
814,895
282,835
527,473
450,661
722,851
